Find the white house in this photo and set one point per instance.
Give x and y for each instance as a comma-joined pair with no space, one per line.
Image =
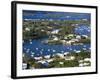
85,36
84,48
66,53
81,65
78,51
68,42
70,35
63,40
76,24
70,58
24,65
78,37
75,40
55,38
27,29
37,58
81,61
87,59
42,61
86,64
47,57
84,19
61,63
55,31
50,60
60,55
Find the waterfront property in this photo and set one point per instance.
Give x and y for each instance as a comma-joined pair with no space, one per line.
56,39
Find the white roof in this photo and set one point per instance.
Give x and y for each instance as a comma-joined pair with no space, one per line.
72,57
55,31
87,59
85,36
55,38
42,61
80,61
66,53
50,60
61,62
27,29
47,56
60,55
37,58
81,65
85,64
78,51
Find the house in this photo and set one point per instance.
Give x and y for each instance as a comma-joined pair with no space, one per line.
37,58
71,35
63,41
76,24
60,55
24,66
66,53
49,60
61,63
42,62
27,29
47,57
86,64
45,64
81,65
87,59
84,48
78,51
55,31
84,19
68,42
81,61
70,58
78,37
75,40
84,36
55,38
42,30
65,38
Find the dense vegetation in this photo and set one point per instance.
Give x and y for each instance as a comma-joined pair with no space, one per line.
56,62
40,28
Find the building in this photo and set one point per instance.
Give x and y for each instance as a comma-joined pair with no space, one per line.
47,57
37,58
